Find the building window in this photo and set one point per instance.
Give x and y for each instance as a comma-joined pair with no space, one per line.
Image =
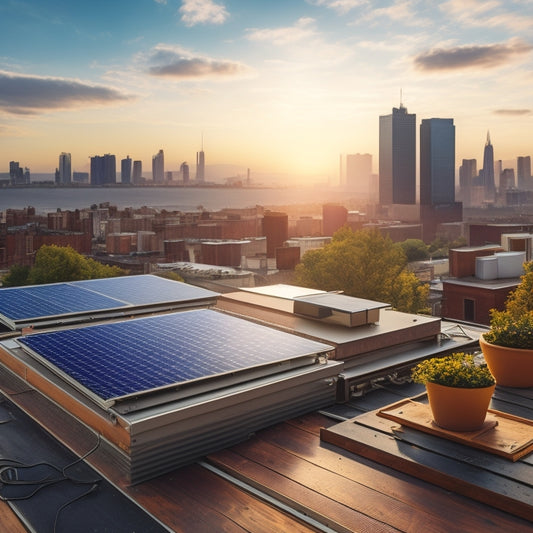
29,244
469,310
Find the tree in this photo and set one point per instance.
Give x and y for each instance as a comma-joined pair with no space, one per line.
520,300
366,265
173,276
415,249
17,275
56,263
440,247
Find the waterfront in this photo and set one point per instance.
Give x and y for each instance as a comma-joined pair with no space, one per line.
45,199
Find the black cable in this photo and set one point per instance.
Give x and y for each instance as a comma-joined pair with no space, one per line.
79,460
66,504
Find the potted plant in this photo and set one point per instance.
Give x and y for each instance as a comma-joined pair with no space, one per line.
508,345
459,390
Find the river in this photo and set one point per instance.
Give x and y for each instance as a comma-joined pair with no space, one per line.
45,199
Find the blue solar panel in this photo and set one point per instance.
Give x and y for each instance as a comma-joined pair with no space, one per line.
81,297
145,289
51,300
127,358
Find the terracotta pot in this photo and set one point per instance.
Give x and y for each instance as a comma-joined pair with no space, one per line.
511,367
458,408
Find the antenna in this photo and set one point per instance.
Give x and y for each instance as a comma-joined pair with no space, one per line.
401,103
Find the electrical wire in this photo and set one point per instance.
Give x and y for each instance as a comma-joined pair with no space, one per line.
12,474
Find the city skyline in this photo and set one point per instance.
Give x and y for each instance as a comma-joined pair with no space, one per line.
275,87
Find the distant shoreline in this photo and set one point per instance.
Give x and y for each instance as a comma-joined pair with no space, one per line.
49,185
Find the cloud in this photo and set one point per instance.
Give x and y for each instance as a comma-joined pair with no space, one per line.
179,63
302,29
341,6
202,12
489,14
461,57
400,10
512,112
23,94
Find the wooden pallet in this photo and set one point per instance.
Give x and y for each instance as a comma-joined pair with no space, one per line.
502,433
452,465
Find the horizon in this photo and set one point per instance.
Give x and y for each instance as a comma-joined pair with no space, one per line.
279,88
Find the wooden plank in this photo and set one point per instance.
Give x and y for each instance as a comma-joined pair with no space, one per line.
524,394
501,434
405,503
467,515
9,521
311,423
194,499
468,480
365,514
519,471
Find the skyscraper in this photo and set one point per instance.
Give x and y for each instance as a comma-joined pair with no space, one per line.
359,175
158,167
467,176
103,169
397,157
65,172
125,170
200,166
523,172
486,174
437,161
507,180
184,169
137,171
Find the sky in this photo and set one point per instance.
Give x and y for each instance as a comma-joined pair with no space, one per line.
277,86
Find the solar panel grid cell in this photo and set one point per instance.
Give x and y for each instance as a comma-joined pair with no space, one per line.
118,359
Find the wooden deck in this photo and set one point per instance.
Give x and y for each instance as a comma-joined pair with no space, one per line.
285,478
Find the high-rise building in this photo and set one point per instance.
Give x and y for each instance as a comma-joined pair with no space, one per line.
125,170
200,166
523,172
507,180
158,167
65,168
184,170
359,175
486,174
437,161
137,171
17,174
397,157
103,170
498,169
467,177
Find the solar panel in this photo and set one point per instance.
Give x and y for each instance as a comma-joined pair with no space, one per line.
144,289
129,358
49,300
21,306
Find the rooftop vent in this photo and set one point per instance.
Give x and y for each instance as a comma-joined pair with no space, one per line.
339,309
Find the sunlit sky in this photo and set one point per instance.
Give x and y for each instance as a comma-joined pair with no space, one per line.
277,86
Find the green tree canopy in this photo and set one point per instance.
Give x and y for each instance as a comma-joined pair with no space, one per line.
520,300
17,275
415,249
366,265
58,263
173,276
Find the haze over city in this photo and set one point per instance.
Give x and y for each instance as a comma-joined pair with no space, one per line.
280,87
